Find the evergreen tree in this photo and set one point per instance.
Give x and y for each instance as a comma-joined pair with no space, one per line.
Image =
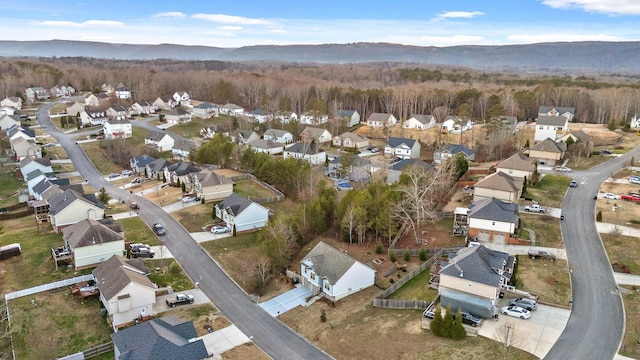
447,323
436,323
457,330
103,196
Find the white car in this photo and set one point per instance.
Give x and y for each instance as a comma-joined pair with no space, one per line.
126,172
611,196
216,229
187,199
516,311
562,168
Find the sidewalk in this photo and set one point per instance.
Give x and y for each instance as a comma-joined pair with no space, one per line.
607,228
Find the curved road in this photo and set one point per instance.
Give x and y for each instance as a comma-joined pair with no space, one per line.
596,324
272,336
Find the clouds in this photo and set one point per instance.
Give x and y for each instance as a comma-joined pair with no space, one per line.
229,19
458,14
613,7
81,25
170,14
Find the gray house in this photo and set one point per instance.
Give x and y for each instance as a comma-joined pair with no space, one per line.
445,152
242,213
402,148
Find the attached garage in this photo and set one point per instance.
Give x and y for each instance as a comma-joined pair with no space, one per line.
484,235
498,238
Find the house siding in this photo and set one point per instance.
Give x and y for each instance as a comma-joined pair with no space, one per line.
484,193
469,287
88,256
126,310
217,192
74,212
358,277
515,173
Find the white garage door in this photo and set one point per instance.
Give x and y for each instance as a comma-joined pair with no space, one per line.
483,236
498,238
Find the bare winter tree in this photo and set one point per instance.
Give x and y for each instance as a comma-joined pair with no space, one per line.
349,221
262,272
509,336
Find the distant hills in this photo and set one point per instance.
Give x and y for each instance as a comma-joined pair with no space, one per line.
610,57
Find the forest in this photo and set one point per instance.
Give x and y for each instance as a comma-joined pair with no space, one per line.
397,88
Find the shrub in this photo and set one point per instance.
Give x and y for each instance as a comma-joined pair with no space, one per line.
379,247
406,255
391,281
422,254
447,323
457,330
323,316
436,323
392,256
174,268
599,216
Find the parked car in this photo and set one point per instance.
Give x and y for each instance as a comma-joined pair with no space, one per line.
541,254
562,168
134,206
430,314
516,311
611,196
187,199
141,251
470,319
374,150
179,300
126,172
49,145
159,229
217,229
605,151
573,183
634,179
524,303
137,180
113,176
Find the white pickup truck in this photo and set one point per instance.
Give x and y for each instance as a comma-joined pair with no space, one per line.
535,208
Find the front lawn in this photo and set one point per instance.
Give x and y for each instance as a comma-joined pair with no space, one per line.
549,191
192,128
416,289
135,230
167,272
546,229
545,278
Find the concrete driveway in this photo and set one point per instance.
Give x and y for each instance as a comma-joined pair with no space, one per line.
223,340
198,298
287,301
535,335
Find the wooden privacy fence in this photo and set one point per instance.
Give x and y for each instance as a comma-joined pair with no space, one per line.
278,194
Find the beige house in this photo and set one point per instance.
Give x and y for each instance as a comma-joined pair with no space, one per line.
74,107
266,146
548,152
12,101
8,121
92,242
164,103
518,165
208,185
316,135
178,116
71,207
100,100
499,185
125,290
25,147
350,140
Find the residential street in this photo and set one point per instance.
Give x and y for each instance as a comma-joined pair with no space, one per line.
267,332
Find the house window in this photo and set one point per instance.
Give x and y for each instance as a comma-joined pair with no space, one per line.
327,286
541,127
313,276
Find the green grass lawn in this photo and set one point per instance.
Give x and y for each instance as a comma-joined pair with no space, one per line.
165,273
550,190
135,230
416,289
9,187
251,189
192,128
545,228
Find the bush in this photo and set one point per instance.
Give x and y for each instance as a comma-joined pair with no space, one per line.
379,247
391,281
406,255
599,216
447,323
436,323
457,330
422,254
392,256
323,316
174,268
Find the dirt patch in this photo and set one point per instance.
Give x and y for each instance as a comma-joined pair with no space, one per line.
547,279
228,173
247,351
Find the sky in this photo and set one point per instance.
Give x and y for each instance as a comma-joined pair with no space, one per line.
231,24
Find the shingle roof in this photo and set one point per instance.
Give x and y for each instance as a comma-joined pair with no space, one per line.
560,110
118,272
305,148
501,181
118,122
156,135
424,119
208,178
518,161
177,112
185,145
357,161
477,264
230,106
329,262
276,132
89,232
581,135
549,145
395,142
313,132
455,149
264,144
143,160
204,105
65,199
42,161
158,164
379,117
551,120
159,339
345,113
234,203
42,186
352,136
183,168
495,210
400,165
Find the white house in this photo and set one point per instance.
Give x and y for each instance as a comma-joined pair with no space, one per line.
142,107
182,149
92,242
334,273
93,117
62,90
123,92
285,116
177,116
125,290
231,110
159,140
548,127
350,117
241,213
260,116
566,112
29,164
36,93
70,207
492,220
12,101
7,110
117,129
419,122
634,123
402,148
313,118
9,121
205,110
381,120
266,146
280,136
456,125
310,152
182,98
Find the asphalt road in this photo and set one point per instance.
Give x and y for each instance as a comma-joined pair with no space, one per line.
272,336
596,324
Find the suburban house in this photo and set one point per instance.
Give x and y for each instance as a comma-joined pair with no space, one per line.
182,98
93,117
36,93
123,92
580,137
208,132
160,140
499,185
29,164
243,214
208,185
456,125
19,131
179,171
62,90
419,122
156,167
566,112
509,123
142,107
164,102
333,274
358,170
23,148
110,88
548,152
549,126
165,338
117,129
92,242
242,137
350,117
381,120
472,279
395,171
266,146
182,149
45,190
139,163
634,123
316,135
492,220
280,136
350,140
100,100
9,121
518,165
74,108
313,118
71,207
445,152
117,113
260,116
12,101
402,148
177,115
125,290
285,116
231,110
7,110
310,152
205,110
33,178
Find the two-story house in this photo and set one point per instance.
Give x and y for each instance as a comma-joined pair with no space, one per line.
402,148
62,90
177,115
117,112
205,110
381,120
36,93
208,185
350,140
493,220
117,129
241,213
310,152
100,100
279,136
349,117
159,140
499,185
182,98
549,126
445,152
12,101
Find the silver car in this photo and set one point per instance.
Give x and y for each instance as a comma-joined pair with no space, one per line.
524,303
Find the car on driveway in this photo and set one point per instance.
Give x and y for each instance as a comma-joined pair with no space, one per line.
217,229
611,196
126,172
137,180
187,199
516,311
374,150
113,176
541,254
49,145
159,229
562,168
470,319
524,303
